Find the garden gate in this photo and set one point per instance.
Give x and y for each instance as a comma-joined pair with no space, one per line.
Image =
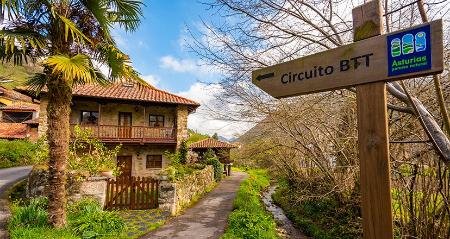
130,193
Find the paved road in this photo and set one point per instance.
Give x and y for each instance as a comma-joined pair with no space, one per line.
8,177
208,218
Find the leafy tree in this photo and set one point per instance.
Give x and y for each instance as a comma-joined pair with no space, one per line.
215,136
71,39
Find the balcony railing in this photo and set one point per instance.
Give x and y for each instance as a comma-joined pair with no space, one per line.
143,134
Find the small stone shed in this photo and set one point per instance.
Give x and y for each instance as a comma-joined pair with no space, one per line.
220,148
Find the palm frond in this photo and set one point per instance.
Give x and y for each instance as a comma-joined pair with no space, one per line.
75,32
23,37
127,13
36,83
99,10
71,69
7,8
16,55
118,62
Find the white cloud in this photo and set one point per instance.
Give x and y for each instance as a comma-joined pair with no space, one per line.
196,67
201,120
184,65
151,79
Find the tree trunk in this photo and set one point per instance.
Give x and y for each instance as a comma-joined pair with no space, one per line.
58,112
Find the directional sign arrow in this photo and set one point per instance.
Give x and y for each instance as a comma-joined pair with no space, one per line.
265,76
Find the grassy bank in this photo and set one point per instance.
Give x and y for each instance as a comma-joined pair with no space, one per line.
320,218
249,218
20,153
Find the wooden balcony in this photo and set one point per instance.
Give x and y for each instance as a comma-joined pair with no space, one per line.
129,134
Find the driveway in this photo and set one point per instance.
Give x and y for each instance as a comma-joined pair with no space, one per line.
8,177
208,218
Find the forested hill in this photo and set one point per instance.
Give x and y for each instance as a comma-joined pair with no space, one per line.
18,74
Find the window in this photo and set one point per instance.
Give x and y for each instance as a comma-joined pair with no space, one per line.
16,117
156,121
154,161
89,118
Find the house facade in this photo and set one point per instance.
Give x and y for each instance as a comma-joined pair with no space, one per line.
18,115
146,121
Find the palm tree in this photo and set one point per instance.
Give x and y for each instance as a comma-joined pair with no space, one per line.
70,39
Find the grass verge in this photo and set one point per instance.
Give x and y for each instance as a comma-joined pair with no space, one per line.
249,218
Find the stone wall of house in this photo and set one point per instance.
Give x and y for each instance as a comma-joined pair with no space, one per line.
42,129
93,187
139,158
182,118
109,112
174,196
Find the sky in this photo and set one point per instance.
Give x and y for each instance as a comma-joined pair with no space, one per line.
159,53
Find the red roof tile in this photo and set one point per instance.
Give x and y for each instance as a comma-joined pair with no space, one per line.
20,106
132,92
13,131
13,95
211,143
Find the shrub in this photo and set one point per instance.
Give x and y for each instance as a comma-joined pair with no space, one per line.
87,220
218,167
97,224
90,155
22,152
183,152
32,215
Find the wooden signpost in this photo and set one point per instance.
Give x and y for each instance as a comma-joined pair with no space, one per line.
368,63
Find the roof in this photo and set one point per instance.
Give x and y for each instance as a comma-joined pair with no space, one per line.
211,143
20,106
131,92
13,131
13,95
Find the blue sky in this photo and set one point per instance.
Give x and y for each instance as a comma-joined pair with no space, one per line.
156,48
158,52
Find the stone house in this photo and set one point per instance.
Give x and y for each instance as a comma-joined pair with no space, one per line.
145,120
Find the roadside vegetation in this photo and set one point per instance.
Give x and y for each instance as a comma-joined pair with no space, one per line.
249,219
85,220
183,164
310,141
16,153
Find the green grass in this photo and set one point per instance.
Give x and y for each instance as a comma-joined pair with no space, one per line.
321,218
249,218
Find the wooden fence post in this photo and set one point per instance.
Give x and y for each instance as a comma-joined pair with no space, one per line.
373,138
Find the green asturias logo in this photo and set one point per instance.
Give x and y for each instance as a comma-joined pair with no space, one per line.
409,51
409,44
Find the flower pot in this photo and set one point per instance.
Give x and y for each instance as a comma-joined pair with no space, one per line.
108,174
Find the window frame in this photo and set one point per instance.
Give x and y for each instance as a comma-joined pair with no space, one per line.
90,114
153,165
157,121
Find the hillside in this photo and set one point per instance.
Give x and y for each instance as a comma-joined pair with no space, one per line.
18,74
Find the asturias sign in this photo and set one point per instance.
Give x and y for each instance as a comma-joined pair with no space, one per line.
409,51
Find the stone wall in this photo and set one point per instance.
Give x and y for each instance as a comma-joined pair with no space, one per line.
174,196
182,129
93,187
42,129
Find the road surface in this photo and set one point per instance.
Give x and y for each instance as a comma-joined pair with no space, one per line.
8,177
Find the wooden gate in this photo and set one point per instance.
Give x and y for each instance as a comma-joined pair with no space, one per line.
130,193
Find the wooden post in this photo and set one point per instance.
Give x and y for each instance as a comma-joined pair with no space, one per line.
373,136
